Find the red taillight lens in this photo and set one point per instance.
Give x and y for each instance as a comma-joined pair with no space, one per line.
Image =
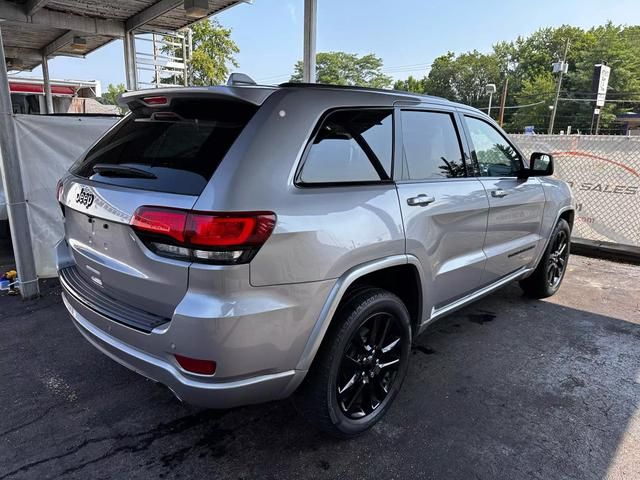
160,221
217,238
227,231
194,365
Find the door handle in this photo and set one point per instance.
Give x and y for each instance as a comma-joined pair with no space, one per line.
421,200
499,193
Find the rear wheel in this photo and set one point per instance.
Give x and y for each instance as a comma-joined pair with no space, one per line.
547,277
360,366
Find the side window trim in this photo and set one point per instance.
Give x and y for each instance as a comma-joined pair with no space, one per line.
399,149
472,148
397,170
376,164
467,147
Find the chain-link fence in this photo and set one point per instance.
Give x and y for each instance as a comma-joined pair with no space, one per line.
604,174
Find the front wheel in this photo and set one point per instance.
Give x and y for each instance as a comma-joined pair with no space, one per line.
547,277
360,366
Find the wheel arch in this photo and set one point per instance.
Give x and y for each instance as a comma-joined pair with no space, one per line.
567,213
399,274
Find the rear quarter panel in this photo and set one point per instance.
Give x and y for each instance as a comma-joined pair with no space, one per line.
320,232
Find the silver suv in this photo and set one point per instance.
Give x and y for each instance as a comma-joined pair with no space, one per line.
245,244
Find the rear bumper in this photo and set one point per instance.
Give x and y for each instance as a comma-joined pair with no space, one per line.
256,335
204,393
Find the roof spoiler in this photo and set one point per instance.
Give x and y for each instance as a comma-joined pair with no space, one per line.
254,96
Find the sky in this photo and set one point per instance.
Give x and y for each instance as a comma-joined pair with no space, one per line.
407,34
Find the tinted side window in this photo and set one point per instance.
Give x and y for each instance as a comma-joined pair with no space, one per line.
431,148
350,146
495,156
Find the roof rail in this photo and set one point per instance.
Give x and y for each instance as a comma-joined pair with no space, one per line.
356,87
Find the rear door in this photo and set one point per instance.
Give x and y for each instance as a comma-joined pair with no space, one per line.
444,210
157,156
515,205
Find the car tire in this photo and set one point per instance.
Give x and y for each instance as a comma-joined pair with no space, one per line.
547,277
360,366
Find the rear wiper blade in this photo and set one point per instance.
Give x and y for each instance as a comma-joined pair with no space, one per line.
114,170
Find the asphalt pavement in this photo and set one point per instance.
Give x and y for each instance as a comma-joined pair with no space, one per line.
508,388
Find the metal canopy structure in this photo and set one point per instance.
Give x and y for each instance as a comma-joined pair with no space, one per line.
32,31
33,28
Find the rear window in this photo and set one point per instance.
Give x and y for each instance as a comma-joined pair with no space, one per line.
173,149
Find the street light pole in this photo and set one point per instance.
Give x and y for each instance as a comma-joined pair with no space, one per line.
490,88
555,102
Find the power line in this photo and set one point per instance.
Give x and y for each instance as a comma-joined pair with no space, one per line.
590,100
513,107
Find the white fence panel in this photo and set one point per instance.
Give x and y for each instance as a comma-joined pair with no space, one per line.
47,146
604,174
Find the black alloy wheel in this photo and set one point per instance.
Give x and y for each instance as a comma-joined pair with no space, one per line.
369,365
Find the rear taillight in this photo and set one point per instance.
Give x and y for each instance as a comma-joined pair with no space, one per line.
160,221
217,238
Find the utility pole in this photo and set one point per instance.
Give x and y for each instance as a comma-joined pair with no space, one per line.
562,68
503,100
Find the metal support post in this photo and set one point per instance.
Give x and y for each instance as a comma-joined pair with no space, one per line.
130,61
14,192
47,85
185,74
309,55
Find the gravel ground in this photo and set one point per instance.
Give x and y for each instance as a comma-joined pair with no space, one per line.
506,388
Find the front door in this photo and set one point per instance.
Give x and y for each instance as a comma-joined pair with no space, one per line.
516,205
444,211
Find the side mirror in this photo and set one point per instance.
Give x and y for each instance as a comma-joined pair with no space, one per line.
540,165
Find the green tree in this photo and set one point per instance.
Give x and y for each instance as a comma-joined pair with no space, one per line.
463,78
526,62
411,84
534,96
341,68
530,80
619,47
113,92
212,56
110,97
213,52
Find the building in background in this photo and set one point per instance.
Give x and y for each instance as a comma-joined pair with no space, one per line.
69,96
630,123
